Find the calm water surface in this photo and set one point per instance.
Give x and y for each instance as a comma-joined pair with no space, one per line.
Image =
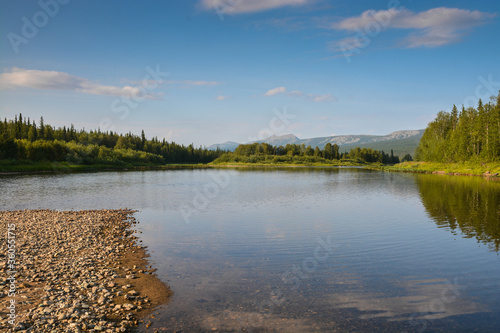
303,250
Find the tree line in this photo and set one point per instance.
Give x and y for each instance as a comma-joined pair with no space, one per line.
293,153
23,139
471,134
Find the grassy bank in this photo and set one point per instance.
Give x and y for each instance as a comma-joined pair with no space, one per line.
15,166
335,163
469,169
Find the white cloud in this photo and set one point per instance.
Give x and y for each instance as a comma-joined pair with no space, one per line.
222,98
275,91
321,98
52,80
194,83
200,83
248,6
360,22
297,93
434,27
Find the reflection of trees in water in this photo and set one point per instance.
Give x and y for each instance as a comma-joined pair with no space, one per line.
469,203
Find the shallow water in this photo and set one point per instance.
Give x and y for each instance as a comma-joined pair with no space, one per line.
303,250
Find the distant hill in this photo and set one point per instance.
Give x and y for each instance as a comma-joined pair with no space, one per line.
401,142
228,145
281,140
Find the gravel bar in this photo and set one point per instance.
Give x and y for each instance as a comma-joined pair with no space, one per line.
74,271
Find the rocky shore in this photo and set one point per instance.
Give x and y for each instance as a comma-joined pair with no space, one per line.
74,271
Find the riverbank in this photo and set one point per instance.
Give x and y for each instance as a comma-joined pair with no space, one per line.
490,170
74,271
66,167
28,167
286,165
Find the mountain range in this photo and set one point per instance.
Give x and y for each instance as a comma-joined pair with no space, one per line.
401,142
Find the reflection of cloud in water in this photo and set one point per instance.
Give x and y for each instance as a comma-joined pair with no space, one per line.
428,299
240,320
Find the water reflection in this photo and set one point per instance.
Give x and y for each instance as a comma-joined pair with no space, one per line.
466,205
426,299
392,269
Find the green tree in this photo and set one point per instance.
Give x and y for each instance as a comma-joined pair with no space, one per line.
41,131
32,134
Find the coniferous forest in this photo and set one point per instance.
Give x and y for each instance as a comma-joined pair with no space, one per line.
23,140
468,135
300,154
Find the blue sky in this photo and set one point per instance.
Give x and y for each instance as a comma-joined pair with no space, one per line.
208,71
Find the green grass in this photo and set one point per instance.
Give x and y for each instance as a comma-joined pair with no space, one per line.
290,165
468,168
16,166
26,166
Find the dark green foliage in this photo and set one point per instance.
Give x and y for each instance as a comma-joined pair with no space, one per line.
296,154
22,140
407,158
471,135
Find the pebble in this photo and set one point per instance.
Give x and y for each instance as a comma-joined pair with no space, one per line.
66,260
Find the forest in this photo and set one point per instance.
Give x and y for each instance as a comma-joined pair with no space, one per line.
300,154
468,135
22,139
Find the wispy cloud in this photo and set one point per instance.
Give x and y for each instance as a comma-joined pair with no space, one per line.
297,93
184,82
288,24
199,83
321,98
431,28
275,91
222,98
248,6
193,83
52,80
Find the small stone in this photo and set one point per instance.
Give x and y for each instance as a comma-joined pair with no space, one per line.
133,293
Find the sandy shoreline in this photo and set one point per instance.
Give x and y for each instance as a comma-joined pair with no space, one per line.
74,271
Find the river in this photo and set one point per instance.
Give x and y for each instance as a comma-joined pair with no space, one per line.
302,249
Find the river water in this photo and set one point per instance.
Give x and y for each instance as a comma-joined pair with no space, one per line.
302,249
